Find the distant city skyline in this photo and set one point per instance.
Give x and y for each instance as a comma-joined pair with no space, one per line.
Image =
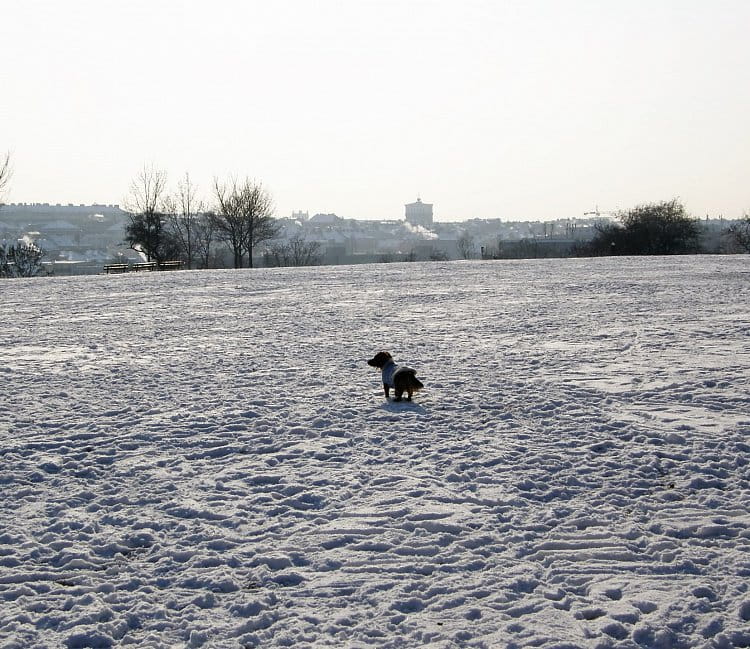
532,110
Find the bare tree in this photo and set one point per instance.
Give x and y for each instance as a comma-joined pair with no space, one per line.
244,217
5,173
145,233
229,222
261,224
739,233
296,252
304,253
205,234
276,254
466,246
21,260
183,211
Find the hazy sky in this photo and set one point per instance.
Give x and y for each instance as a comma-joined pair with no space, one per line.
527,109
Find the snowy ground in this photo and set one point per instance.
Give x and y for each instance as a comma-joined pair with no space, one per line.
203,459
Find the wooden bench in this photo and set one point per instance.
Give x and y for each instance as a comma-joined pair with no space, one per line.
146,265
171,265
116,268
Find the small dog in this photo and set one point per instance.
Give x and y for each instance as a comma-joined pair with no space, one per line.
400,378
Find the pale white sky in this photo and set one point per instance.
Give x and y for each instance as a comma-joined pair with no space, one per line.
518,109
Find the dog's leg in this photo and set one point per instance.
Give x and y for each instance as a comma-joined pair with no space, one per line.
398,394
387,390
409,392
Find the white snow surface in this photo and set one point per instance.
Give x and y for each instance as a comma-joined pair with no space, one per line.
204,459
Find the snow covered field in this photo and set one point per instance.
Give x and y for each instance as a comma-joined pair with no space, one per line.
203,459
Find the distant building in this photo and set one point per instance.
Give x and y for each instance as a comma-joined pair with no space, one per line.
325,219
32,212
419,213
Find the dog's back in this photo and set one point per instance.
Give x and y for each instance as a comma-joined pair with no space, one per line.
406,379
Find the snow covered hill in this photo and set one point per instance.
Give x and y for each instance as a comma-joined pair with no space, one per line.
204,459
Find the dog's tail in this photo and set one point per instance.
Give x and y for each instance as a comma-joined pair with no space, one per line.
408,378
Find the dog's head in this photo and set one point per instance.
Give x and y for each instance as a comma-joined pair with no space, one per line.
380,359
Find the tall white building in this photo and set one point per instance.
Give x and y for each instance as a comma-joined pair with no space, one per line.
419,213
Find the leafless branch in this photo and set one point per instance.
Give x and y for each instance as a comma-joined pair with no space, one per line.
182,211
147,191
244,217
5,173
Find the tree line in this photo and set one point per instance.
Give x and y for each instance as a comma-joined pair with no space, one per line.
663,228
178,225
650,229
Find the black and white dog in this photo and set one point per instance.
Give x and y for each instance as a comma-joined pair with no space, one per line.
400,378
